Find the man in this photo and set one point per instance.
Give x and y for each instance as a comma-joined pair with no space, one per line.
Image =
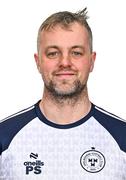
64,136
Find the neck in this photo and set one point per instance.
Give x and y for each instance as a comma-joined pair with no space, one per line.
65,111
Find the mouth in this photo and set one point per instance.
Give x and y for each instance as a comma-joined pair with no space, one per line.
65,75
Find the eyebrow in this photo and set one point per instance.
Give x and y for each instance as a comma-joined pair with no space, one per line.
53,46
73,47
77,46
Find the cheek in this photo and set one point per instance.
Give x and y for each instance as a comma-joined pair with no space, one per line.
84,66
47,68
84,69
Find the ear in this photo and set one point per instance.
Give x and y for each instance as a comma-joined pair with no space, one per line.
37,62
93,57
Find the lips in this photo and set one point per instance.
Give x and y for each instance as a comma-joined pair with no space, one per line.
64,75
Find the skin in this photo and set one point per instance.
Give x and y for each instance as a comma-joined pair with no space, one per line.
64,58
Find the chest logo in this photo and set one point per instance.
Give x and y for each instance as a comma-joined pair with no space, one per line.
92,161
34,165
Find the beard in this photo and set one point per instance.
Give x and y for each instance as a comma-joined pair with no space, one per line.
70,94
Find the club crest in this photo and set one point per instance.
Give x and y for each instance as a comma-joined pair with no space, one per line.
92,161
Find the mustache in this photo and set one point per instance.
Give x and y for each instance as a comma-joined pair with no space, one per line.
67,69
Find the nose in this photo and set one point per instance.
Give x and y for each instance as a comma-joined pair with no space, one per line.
65,61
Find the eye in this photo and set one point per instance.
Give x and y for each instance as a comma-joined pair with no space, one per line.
77,53
53,54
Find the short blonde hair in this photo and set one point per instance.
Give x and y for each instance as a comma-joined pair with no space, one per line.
65,19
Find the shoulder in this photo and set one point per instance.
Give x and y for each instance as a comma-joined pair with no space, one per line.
102,114
11,125
23,115
115,125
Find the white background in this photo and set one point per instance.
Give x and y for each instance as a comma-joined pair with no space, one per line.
20,83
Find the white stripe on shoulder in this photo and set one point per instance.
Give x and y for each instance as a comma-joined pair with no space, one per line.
18,113
110,114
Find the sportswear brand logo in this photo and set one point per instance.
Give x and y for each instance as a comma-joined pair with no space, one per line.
32,155
33,166
92,161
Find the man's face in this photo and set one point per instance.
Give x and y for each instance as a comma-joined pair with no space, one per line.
65,59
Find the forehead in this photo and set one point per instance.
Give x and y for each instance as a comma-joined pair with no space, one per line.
76,34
